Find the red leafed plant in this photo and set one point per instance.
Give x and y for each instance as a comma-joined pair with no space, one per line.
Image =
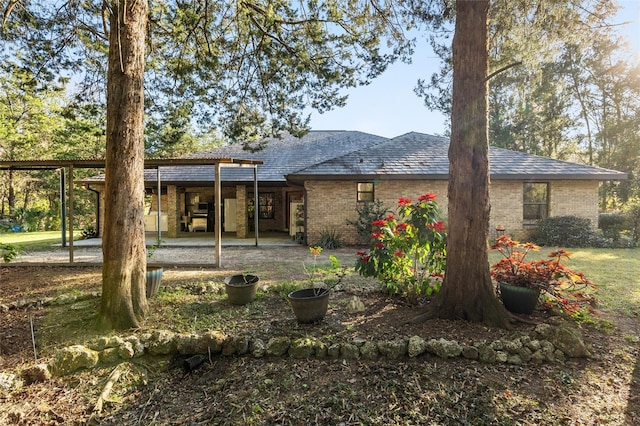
562,286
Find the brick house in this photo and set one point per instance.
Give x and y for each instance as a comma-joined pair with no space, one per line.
315,183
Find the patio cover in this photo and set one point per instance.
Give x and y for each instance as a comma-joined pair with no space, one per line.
153,163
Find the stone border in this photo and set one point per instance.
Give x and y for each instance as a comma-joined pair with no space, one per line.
552,342
64,299
547,343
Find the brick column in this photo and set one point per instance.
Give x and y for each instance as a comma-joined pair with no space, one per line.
173,211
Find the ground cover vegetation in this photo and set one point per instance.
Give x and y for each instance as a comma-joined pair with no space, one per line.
235,389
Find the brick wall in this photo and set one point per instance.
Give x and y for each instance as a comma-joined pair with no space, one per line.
173,210
575,198
506,198
331,203
241,211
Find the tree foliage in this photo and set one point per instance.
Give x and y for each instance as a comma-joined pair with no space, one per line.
36,121
249,67
562,85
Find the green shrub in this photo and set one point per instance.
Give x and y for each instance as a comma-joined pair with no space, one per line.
632,211
329,239
89,232
8,252
566,231
7,225
32,219
612,225
368,213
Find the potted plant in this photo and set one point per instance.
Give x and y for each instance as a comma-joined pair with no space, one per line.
241,288
520,281
154,273
311,304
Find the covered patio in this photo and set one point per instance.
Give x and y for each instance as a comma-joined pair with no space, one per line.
66,169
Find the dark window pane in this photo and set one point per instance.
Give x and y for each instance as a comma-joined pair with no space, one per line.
535,201
266,205
365,192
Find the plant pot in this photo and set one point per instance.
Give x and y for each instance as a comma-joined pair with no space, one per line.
519,300
241,289
154,277
309,304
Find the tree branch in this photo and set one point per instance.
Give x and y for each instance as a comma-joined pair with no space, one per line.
493,74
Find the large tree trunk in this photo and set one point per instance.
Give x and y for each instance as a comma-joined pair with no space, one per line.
467,292
124,304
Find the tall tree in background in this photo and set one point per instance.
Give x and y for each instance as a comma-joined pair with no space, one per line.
605,84
529,112
29,120
37,121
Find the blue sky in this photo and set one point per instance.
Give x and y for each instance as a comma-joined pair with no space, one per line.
389,107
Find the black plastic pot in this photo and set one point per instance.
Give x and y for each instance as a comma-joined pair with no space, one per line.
154,277
193,363
519,300
309,304
241,289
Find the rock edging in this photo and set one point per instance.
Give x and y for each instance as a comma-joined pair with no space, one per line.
546,343
64,299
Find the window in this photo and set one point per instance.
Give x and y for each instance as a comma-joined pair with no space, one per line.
365,192
535,202
265,205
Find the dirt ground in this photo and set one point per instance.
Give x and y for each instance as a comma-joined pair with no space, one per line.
600,390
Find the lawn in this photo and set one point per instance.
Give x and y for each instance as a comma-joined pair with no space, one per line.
34,241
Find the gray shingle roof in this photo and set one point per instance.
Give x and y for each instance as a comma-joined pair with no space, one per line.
281,157
347,154
421,156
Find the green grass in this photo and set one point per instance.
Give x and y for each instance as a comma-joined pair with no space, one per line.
34,241
617,274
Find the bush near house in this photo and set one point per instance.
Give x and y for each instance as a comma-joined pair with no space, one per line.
632,210
569,231
329,239
615,230
368,213
407,254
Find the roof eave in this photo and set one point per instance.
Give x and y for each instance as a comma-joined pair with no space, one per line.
367,176
542,176
299,177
